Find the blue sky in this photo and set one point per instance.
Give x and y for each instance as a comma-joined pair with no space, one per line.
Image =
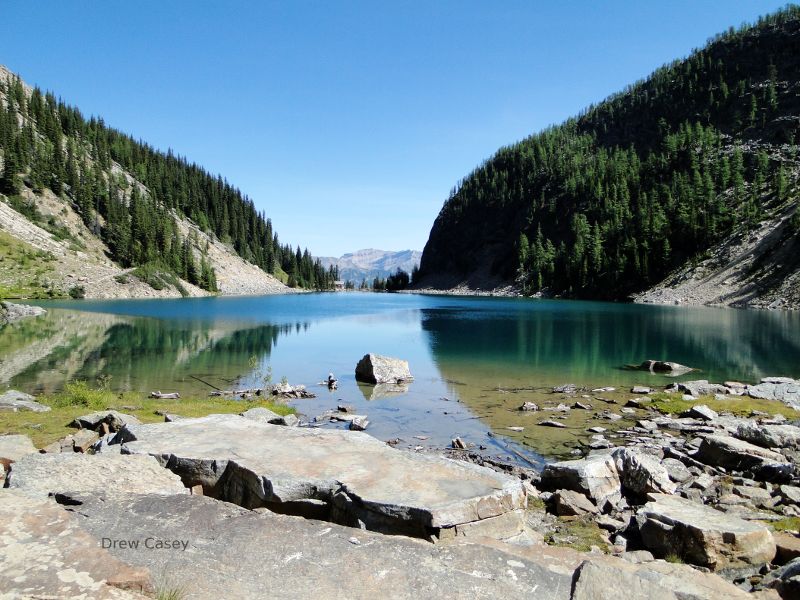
347,122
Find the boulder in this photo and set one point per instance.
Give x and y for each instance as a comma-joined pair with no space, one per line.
734,454
14,401
640,389
115,420
40,475
362,480
557,424
641,473
769,436
612,579
84,439
529,406
670,525
594,476
785,580
239,554
358,423
44,553
264,415
569,503
777,388
700,411
702,387
375,368
665,367
566,388
788,546
14,447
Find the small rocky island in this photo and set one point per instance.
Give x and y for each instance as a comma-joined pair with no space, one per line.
700,504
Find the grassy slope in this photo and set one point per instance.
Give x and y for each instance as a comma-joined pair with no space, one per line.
23,269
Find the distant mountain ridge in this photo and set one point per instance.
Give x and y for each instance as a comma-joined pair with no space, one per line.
370,263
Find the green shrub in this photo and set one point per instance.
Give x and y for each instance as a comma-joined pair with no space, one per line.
77,292
78,393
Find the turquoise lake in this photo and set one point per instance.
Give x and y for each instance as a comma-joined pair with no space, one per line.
474,359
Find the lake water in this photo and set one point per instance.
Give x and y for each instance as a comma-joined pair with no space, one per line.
474,359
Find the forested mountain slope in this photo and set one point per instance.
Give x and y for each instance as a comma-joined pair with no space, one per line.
655,179
88,210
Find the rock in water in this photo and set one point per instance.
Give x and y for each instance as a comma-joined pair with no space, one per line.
363,481
664,366
374,368
595,476
672,525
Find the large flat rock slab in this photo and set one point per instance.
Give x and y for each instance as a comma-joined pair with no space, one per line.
15,446
14,401
361,480
236,554
701,535
42,475
44,553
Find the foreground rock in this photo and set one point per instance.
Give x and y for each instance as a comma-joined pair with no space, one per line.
14,401
113,419
14,312
785,389
374,368
14,447
670,525
44,553
734,454
347,477
41,475
642,473
596,477
299,558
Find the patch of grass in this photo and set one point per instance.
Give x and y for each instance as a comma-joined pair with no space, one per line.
674,558
24,270
535,503
78,398
741,406
577,533
787,524
123,279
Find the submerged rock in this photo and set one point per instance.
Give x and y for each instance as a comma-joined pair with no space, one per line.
375,368
670,525
665,367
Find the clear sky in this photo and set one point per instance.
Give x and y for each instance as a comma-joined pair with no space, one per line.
347,122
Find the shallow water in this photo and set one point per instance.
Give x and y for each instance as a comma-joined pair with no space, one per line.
474,359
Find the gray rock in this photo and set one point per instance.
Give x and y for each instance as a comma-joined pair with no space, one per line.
702,535
596,477
84,439
14,401
40,475
639,389
264,415
734,454
114,419
785,389
790,493
44,553
529,406
785,580
374,368
13,447
769,436
678,472
238,554
569,503
700,411
14,312
567,388
641,473
638,557
363,480
612,579
702,387
666,367
557,424
359,423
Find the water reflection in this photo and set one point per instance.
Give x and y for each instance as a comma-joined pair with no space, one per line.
133,353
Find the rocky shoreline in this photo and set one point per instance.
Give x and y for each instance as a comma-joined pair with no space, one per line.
703,504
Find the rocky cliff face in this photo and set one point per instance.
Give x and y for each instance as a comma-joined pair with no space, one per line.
685,184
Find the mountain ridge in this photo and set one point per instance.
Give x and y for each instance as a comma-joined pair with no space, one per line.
650,180
369,263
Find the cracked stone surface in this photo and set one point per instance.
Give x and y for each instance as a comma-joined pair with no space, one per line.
365,482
